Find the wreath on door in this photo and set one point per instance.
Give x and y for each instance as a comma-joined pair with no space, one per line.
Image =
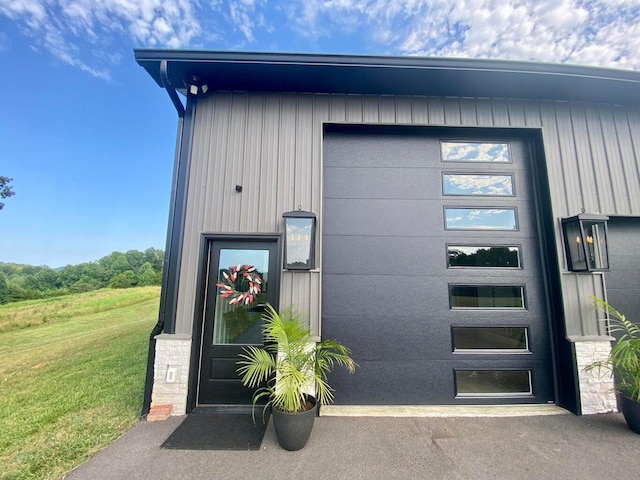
228,284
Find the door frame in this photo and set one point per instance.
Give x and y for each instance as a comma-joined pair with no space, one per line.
201,295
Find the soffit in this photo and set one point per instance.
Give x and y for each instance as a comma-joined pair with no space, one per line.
386,75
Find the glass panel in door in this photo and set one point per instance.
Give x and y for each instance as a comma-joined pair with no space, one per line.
247,272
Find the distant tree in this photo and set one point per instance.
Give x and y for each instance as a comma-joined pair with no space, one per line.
18,291
47,279
4,290
28,282
155,257
89,273
6,190
148,276
29,269
70,275
135,259
117,270
125,279
115,263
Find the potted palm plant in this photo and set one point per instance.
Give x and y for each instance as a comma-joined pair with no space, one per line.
624,363
290,372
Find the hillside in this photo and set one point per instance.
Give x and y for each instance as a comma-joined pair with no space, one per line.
117,270
71,377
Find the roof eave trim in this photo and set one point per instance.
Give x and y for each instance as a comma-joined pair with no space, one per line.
387,62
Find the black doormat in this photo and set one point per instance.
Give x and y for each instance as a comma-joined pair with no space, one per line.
219,431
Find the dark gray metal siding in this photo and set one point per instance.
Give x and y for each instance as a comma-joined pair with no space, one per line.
272,145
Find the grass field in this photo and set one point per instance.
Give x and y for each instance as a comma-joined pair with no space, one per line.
71,384
36,312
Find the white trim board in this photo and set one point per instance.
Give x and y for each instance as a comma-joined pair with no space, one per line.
440,410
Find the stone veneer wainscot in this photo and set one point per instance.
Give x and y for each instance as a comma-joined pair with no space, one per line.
172,351
596,387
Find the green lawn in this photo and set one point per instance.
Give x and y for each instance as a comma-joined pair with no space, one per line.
70,386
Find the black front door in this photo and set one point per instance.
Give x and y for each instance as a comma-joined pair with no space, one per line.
242,277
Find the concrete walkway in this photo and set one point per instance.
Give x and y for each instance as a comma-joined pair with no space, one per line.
530,447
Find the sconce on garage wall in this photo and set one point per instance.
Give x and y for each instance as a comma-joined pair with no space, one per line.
299,240
585,242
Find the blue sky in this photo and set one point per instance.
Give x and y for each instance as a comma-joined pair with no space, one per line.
89,139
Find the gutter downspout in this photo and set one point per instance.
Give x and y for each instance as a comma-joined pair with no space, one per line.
169,288
166,83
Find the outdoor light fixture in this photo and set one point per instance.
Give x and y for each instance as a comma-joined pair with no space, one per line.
197,85
585,242
299,240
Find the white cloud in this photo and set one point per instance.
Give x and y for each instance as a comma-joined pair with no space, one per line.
72,30
33,10
592,32
241,14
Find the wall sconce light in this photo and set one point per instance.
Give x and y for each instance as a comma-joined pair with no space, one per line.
585,242
299,240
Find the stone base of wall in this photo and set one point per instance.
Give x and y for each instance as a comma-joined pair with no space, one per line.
596,387
171,372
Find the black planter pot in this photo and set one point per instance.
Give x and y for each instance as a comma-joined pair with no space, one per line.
294,429
631,411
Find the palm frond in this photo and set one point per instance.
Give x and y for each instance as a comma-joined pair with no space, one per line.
291,363
624,359
256,366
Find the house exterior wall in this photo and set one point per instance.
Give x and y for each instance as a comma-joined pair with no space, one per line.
271,144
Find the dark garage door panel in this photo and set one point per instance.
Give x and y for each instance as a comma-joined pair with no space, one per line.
420,382
380,217
365,295
376,295
371,151
408,257
415,183
414,218
370,255
389,335
417,382
623,278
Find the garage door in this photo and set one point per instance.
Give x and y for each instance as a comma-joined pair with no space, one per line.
623,279
431,270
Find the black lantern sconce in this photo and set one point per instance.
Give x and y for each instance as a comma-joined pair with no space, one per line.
585,242
299,240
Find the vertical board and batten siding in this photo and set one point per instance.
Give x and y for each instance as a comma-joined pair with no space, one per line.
271,144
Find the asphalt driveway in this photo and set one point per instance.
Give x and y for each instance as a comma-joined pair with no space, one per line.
531,447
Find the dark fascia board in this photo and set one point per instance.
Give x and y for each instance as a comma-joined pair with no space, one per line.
387,75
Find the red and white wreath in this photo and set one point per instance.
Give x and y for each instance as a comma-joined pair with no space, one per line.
227,284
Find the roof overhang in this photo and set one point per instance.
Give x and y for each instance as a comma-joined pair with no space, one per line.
387,75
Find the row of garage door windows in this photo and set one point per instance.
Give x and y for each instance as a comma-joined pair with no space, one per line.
496,339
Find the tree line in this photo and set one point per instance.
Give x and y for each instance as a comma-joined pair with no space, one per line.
116,270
